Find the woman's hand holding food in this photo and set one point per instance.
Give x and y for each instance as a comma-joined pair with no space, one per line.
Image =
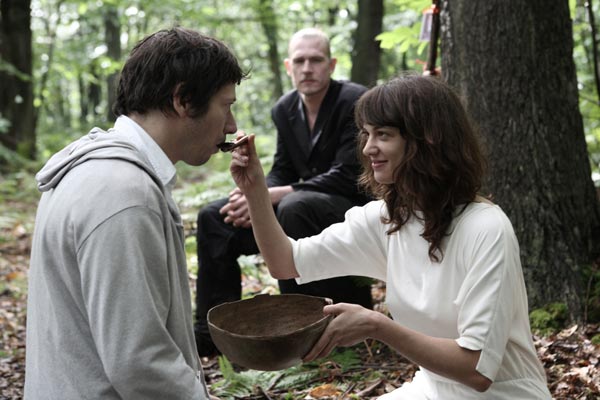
246,169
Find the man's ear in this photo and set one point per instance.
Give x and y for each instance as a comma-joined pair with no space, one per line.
288,66
332,64
180,108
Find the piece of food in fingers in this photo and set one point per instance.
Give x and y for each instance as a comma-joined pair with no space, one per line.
229,146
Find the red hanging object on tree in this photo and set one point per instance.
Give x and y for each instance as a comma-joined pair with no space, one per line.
430,30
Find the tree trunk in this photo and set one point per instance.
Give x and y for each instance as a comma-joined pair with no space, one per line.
51,33
366,55
16,96
112,31
61,104
268,21
83,100
512,62
94,91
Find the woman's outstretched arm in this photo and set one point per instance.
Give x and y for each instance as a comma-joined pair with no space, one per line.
273,243
353,323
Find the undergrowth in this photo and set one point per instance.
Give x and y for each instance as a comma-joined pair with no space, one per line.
250,383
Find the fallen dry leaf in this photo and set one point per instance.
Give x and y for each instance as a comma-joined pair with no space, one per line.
324,391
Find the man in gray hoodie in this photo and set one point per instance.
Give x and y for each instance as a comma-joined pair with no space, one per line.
109,308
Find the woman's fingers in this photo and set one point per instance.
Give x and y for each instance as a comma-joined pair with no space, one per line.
346,329
322,348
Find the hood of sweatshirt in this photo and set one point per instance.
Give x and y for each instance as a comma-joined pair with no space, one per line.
97,144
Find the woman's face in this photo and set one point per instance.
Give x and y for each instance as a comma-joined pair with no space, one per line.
385,149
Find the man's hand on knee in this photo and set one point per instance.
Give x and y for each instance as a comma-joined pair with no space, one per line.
236,210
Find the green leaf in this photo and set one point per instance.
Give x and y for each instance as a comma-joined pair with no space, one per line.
82,8
241,384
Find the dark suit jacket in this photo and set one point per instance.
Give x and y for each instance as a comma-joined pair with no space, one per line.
331,164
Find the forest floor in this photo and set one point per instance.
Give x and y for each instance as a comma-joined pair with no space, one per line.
365,371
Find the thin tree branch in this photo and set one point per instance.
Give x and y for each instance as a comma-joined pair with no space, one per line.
51,33
433,40
590,11
588,291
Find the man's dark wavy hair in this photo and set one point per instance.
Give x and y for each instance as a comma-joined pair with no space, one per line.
175,61
443,165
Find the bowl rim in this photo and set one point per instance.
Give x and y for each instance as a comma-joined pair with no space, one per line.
261,338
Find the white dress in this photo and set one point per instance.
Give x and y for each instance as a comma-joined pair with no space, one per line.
476,295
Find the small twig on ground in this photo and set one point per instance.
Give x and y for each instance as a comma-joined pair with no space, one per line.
588,291
264,393
347,391
369,389
368,349
275,381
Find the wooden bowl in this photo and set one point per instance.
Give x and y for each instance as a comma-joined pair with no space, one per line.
268,333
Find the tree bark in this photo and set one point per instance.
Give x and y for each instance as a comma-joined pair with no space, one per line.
366,55
16,96
268,21
512,62
112,31
595,62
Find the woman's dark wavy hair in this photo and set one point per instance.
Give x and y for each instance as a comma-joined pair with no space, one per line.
443,165
178,59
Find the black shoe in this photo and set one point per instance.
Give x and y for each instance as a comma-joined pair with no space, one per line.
205,345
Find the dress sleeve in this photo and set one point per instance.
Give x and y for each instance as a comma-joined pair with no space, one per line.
357,246
489,295
125,284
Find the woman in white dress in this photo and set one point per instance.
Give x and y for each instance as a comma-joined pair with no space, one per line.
449,257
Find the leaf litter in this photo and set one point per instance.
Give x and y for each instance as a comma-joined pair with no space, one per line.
364,371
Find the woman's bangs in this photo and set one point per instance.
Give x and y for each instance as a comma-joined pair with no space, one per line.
374,111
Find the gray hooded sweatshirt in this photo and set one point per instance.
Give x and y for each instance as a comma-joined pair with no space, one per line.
109,305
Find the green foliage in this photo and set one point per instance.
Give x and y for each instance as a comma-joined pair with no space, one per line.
591,275
549,319
192,259
297,377
4,124
402,38
247,383
71,55
346,358
596,340
402,49
589,100
18,196
11,161
17,187
412,5
241,384
252,266
70,50
212,181
51,143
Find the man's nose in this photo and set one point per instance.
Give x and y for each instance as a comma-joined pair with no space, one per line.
230,125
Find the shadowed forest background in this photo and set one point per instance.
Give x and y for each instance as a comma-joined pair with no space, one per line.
528,72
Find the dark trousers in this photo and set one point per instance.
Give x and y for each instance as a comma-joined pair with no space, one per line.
301,214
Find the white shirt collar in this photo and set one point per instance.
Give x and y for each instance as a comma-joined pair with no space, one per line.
162,165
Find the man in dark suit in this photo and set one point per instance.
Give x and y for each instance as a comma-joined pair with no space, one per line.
312,183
